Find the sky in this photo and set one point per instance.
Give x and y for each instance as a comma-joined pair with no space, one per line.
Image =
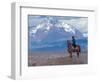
37,22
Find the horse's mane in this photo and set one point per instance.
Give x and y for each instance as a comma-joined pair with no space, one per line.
69,43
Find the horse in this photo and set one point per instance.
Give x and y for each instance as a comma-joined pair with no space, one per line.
72,49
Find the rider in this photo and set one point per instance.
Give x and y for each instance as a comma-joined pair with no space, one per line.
73,42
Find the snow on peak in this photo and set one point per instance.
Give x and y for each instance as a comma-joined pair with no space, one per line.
47,25
68,28
43,26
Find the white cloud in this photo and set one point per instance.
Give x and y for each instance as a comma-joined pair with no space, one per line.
80,23
85,34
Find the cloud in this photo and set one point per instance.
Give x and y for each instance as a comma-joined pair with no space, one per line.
36,23
67,23
79,23
34,20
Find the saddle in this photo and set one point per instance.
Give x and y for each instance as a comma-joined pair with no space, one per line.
74,49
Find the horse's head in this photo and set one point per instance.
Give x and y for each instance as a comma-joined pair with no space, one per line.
68,42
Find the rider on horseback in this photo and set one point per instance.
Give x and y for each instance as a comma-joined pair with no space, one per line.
73,42
72,47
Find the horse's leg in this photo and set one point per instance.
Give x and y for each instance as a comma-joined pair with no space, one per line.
70,54
78,54
78,51
78,59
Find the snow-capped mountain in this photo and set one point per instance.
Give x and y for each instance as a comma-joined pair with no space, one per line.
46,31
51,34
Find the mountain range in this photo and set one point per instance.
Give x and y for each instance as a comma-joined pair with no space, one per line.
52,36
